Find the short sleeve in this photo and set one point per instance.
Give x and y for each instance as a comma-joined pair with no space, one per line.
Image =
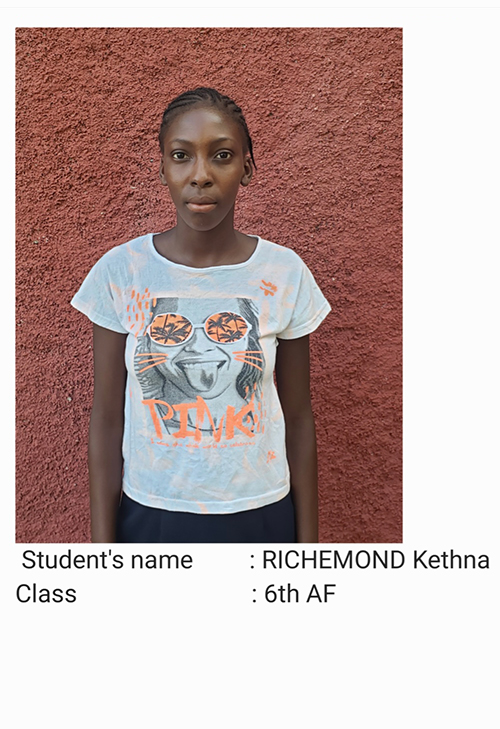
99,297
309,310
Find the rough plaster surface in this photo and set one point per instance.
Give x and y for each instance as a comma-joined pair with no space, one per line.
324,110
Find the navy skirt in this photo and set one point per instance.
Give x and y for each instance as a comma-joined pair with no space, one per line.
144,524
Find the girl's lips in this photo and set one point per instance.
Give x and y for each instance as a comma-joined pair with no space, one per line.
201,207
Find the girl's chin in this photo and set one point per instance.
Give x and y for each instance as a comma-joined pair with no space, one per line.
204,221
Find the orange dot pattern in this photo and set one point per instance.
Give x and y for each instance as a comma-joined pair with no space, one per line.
136,311
270,290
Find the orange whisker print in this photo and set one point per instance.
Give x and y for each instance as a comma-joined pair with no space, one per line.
145,357
249,354
151,360
253,353
248,362
153,364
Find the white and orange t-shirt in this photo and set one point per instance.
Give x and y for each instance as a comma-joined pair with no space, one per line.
204,429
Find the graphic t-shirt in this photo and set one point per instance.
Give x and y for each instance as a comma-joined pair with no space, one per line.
204,429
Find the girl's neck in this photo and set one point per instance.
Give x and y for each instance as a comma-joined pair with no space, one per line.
222,245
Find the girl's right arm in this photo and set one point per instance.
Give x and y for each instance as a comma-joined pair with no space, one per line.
106,432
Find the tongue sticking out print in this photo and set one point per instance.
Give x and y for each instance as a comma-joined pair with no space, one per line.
201,376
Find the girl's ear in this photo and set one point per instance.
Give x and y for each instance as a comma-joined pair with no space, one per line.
248,171
162,174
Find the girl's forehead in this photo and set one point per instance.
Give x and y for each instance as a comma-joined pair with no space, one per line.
202,123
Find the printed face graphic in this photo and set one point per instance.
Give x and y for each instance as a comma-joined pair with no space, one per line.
203,342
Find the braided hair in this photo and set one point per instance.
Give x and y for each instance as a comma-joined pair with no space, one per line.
204,96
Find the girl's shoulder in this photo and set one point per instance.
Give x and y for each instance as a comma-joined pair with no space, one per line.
279,253
125,251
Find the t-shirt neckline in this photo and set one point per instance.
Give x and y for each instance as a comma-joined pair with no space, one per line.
224,266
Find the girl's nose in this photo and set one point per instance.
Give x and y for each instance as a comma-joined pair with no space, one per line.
201,174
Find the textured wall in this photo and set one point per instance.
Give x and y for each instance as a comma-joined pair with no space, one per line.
324,109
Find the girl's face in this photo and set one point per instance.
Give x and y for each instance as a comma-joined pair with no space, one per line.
203,164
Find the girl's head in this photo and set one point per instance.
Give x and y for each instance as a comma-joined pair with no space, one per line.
204,96
206,155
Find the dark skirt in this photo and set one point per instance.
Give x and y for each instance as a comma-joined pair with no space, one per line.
144,524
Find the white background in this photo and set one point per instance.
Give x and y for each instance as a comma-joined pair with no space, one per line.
393,649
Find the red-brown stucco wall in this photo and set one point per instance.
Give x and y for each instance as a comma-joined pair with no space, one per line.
324,109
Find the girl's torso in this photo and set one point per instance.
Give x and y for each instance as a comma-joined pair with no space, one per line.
204,429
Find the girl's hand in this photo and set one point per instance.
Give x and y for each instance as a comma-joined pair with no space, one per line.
106,432
292,379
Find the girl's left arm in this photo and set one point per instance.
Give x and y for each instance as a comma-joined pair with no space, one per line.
292,379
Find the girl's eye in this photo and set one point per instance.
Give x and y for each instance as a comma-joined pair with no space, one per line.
223,155
179,155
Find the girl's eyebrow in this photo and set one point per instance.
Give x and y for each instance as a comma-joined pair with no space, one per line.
214,141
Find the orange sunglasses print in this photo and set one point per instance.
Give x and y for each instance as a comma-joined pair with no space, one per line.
170,330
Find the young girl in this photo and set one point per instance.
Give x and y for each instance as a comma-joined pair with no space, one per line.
190,441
